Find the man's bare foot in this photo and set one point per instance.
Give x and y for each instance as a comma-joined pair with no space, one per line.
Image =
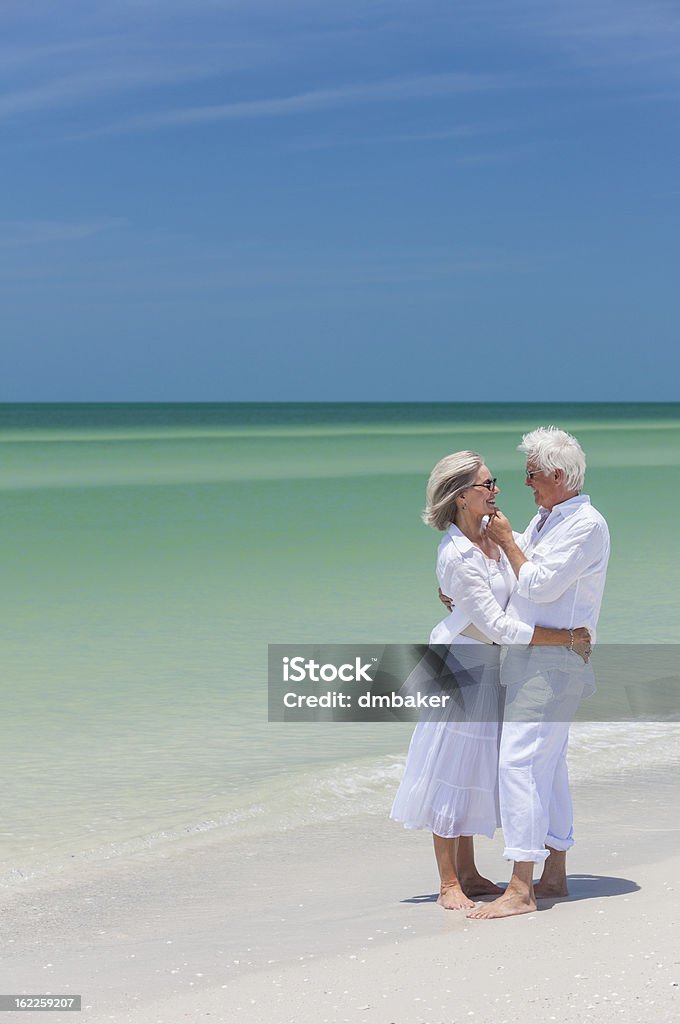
478,885
553,881
551,889
452,897
510,904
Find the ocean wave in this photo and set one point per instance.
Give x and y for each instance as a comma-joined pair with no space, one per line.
315,795
171,433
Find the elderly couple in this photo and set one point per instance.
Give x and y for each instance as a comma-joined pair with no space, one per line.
536,598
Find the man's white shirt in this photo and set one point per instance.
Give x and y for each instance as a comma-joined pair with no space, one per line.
562,583
560,586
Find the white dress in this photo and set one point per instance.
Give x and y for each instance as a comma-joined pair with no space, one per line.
450,783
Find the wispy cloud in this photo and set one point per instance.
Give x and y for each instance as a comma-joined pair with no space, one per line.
605,34
386,90
16,58
13,233
88,85
453,133
229,35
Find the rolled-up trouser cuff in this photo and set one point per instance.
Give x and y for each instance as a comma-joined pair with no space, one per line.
537,856
559,844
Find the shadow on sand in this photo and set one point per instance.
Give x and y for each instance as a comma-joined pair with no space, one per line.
581,887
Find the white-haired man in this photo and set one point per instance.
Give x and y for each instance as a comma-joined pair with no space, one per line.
560,563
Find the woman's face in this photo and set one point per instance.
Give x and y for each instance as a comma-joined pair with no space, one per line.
479,499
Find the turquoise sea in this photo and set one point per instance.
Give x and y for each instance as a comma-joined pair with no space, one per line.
151,552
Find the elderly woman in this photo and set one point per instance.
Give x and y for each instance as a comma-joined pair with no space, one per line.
450,780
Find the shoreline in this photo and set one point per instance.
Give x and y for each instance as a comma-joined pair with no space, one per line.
204,928
302,795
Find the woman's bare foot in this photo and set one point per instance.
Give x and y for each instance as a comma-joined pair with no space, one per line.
472,882
452,897
478,885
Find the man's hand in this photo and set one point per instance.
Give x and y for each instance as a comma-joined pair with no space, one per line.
582,644
499,529
446,601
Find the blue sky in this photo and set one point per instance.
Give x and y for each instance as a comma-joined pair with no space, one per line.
378,200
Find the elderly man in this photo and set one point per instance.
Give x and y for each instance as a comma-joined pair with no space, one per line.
560,563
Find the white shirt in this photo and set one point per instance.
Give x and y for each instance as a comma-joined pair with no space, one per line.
480,588
561,584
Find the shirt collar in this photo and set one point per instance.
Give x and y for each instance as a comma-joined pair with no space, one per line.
462,542
568,507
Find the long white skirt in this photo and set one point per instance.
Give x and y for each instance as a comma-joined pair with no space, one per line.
450,783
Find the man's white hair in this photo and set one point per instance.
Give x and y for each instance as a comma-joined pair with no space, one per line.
549,448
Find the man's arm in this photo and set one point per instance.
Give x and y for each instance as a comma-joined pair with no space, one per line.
570,555
500,531
477,601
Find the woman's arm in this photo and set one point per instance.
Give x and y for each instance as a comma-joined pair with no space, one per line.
448,601
463,579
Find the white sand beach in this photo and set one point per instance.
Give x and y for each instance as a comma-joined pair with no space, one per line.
339,924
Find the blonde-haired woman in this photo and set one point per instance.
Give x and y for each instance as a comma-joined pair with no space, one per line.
450,784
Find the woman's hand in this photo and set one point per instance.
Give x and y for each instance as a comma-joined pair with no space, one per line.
446,601
582,644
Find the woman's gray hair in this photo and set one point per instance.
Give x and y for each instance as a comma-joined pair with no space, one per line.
549,448
450,477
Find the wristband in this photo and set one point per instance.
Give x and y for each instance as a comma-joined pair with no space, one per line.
571,645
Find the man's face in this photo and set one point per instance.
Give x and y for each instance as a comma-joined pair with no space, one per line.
547,487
